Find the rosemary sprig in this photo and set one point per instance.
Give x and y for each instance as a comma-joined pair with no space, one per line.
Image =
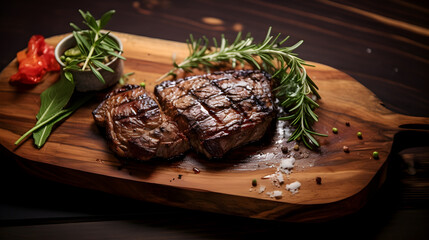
294,88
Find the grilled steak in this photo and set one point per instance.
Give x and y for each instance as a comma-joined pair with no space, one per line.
136,127
219,111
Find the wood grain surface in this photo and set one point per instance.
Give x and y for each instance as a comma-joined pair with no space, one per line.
76,153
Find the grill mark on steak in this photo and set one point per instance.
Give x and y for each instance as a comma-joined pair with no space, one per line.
99,113
237,108
211,112
136,127
219,111
233,103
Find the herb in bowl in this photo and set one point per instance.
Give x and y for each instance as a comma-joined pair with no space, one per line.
94,47
93,51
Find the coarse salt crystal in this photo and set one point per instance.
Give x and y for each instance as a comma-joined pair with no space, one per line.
293,187
314,97
279,177
268,176
261,189
266,156
286,165
287,132
276,194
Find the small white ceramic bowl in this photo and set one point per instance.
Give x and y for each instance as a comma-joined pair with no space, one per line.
86,81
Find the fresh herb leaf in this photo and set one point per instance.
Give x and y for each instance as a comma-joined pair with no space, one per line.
101,65
68,75
53,101
112,43
103,36
76,28
55,98
97,73
40,136
124,78
106,18
82,43
116,55
40,139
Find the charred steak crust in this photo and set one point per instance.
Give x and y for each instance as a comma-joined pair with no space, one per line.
136,127
219,111
99,113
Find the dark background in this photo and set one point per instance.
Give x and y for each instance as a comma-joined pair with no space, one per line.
382,44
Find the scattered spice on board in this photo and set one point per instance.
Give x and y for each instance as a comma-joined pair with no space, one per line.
359,135
318,180
254,182
261,189
296,147
346,149
275,194
286,165
285,149
293,187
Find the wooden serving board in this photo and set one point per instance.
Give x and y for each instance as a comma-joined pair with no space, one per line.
76,152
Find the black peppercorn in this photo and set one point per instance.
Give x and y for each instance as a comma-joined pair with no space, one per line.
346,149
285,149
359,135
318,180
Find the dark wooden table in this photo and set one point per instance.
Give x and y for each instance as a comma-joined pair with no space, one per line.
382,44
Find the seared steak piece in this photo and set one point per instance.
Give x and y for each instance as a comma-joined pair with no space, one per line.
219,111
136,127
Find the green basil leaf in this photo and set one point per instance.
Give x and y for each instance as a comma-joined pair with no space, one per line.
39,140
55,98
52,100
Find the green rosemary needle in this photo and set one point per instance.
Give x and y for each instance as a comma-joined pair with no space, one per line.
294,88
